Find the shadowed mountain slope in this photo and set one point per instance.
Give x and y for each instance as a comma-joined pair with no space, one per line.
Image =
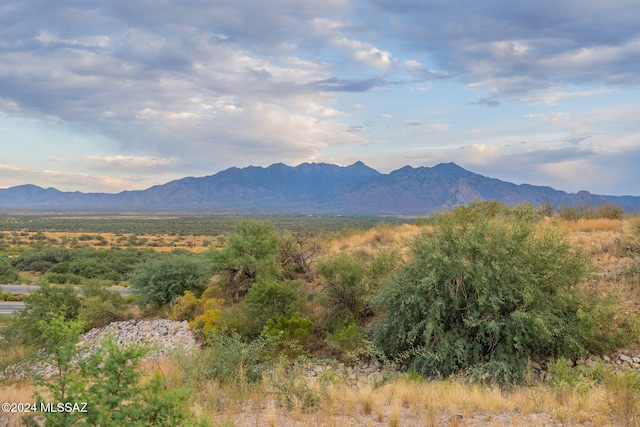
313,187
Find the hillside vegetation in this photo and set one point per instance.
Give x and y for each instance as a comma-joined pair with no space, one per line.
437,322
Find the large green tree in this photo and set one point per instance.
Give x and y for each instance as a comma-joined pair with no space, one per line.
250,252
482,296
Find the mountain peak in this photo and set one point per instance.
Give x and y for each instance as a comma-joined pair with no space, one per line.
449,167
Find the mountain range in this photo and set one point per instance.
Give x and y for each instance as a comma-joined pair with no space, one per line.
313,188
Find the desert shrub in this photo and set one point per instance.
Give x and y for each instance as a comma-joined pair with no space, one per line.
480,209
250,251
345,338
610,211
229,359
207,322
270,298
100,306
8,296
60,279
61,267
573,213
8,274
110,381
523,211
43,305
40,260
344,286
483,297
287,383
569,213
295,328
382,265
237,318
187,307
297,252
606,328
160,281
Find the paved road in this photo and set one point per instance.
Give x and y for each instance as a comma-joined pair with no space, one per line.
18,289
25,289
10,306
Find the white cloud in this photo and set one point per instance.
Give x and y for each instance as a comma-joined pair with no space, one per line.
127,162
11,176
363,52
552,97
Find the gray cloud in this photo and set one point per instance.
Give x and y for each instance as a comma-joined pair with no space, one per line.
570,169
218,84
335,84
513,48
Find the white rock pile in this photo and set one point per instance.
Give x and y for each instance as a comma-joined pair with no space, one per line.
162,335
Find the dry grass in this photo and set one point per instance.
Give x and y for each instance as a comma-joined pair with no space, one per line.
159,242
440,403
382,236
397,403
11,354
590,225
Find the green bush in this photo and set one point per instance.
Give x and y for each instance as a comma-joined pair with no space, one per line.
8,274
345,287
251,251
609,211
110,381
483,297
40,260
99,307
270,298
160,281
573,213
296,328
229,359
346,338
606,328
60,279
41,306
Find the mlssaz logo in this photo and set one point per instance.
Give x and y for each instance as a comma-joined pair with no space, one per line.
63,407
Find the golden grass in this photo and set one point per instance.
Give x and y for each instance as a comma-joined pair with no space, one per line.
438,403
397,403
590,225
382,236
159,242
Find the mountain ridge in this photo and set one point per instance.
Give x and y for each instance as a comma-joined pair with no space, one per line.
314,187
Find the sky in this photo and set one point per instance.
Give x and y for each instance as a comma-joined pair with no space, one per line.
105,96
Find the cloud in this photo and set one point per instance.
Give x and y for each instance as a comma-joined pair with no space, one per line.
488,102
206,85
551,97
514,49
129,163
364,52
334,84
428,127
11,176
570,169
